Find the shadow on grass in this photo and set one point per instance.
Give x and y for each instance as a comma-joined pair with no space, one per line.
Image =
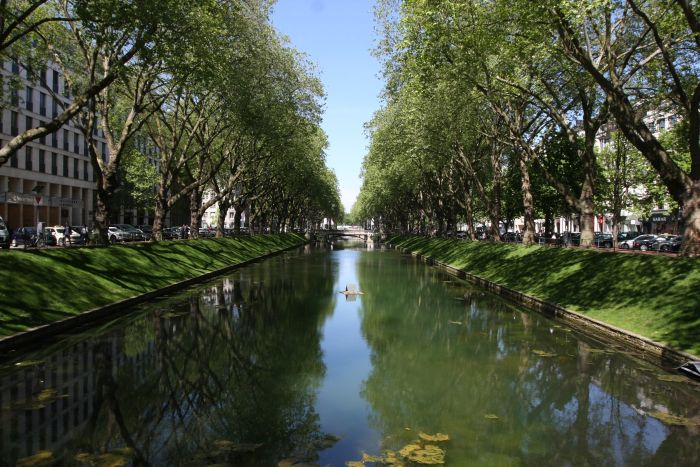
38,287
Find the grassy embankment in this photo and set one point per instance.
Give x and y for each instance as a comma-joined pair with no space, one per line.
39,287
655,296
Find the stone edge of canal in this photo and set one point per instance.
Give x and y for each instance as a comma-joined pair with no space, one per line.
116,309
651,351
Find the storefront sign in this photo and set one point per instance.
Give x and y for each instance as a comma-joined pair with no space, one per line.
661,218
12,197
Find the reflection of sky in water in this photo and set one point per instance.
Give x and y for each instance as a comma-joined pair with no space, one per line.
346,355
627,427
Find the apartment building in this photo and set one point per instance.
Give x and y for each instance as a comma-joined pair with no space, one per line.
210,216
661,219
50,179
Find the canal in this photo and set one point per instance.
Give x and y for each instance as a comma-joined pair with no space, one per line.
272,366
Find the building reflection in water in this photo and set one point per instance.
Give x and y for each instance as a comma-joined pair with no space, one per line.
235,362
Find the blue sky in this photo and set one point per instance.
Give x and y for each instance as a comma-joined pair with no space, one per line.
338,35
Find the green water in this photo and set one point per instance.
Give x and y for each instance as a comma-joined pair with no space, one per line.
272,366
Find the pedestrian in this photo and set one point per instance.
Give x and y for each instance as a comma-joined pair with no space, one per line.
66,234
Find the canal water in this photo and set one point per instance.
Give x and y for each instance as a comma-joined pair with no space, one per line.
272,366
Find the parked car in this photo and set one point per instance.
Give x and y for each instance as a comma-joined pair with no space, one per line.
206,232
644,242
56,233
512,237
667,243
117,234
75,237
134,234
27,237
603,240
623,236
147,231
625,240
4,235
23,236
571,238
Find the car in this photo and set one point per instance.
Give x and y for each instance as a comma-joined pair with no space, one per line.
134,234
117,234
27,237
5,239
56,233
205,232
667,243
623,236
147,231
625,240
75,237
603,240
644,242
571,238
512,237
23,236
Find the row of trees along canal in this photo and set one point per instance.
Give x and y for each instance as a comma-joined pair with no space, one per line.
228,105
492,110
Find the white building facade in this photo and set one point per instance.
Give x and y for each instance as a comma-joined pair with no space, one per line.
50,179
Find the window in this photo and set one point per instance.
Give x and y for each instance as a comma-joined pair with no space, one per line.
42,138
28,163
672,120
54,83
28,123
13,160
86,152
42,103
42,161
29,100
76,166
662,123
76,143
42,77
54,108
14,97
66,140
15,66
54,163
85,170
65,166
14,131
54,139
104,152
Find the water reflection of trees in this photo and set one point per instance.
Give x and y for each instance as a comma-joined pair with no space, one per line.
230,375
441,363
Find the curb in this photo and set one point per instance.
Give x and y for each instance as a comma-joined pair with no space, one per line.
649,349
116,309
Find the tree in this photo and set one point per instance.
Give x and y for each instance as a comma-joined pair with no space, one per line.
634,49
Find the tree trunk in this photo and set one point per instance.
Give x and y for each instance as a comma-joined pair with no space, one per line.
587,207
159,215
237,219
102,212
224,206
528,204
691,221
195,216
